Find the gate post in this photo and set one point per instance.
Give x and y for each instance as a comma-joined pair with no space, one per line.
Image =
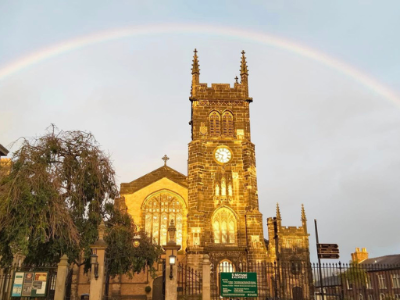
97,263
171,274
206,290
62,272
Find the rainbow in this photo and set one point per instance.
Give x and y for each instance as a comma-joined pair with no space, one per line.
105,36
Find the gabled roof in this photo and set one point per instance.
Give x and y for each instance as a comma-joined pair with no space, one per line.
164,171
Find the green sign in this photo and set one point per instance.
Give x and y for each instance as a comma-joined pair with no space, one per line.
238,285
29,284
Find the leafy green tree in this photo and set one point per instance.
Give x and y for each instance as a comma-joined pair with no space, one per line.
121,256
57,190
355,275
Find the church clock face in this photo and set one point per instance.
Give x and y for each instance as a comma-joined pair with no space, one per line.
222,155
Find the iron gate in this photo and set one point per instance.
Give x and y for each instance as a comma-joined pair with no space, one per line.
274,281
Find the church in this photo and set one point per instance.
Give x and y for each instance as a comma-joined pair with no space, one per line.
216,206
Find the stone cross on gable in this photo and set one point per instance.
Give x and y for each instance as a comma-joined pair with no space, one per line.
165,159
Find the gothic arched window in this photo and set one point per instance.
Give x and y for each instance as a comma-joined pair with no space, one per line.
215,124
159,210
227,124
224,227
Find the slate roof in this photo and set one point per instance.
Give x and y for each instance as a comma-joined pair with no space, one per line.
164,171
329,281
383,260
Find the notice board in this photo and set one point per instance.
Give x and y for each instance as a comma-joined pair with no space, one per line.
30,284
238,284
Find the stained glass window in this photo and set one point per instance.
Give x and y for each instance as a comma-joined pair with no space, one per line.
159,211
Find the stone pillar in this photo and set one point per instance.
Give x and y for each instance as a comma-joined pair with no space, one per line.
62,273
171,284
206,289
171,280
99,249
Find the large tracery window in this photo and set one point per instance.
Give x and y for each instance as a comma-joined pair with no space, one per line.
215,124
224,227
159,211
227,124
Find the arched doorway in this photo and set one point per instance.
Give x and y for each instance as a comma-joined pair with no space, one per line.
225,266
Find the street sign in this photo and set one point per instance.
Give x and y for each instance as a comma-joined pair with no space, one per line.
238,285
328,256
328,251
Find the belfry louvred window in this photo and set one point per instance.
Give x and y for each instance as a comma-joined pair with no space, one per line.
227,124
159,211
215,124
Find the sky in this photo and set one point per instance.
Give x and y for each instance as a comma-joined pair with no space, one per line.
324,76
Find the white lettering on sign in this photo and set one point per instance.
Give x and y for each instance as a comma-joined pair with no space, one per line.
240,276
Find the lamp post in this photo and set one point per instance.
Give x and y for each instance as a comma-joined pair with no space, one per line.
97,261
172,257
95,264
171,287
172,261
136,237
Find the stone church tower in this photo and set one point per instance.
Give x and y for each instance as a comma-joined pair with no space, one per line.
215,207
223,217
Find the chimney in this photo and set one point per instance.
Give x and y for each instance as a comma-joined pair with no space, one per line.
359,256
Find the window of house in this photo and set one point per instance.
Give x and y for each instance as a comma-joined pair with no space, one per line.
224,227
215,124
381,281
396,281
368,283
159,211
227,124
349,285
370,297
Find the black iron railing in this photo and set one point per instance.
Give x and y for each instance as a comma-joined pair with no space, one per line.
189,282
300,281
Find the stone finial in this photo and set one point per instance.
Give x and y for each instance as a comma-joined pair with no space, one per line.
243,66
303,214
101,229
195,64
278,212
195,74
63,260
171,232
206,259
236,79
